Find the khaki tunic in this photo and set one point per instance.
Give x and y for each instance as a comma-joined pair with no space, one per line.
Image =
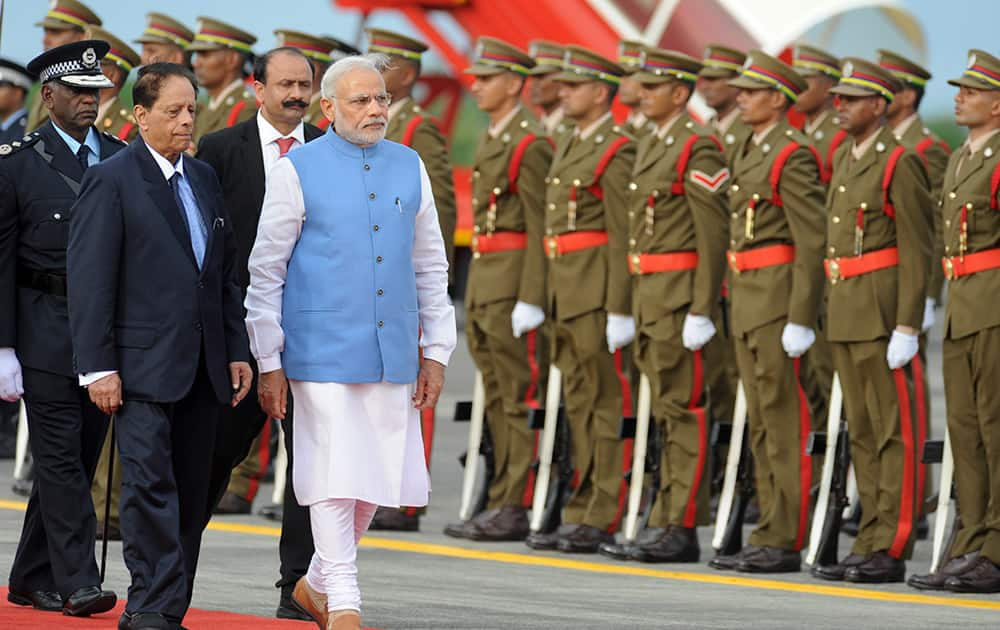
583,287
971,348
430,144
38,114
512,368
692,220
883,420
764,300
119,122
208,119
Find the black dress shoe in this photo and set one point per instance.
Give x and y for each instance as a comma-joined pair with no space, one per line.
508,523
617,551
880,568
729,562
835,572
89,600
39,600
146,621
586,539
394,520
982,577
114,532
935,581
550,540
677,544
771,560
232,504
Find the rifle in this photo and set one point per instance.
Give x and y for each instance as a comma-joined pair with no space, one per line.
728,538
540,508
829,512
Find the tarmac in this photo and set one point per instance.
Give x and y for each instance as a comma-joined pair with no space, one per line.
428,580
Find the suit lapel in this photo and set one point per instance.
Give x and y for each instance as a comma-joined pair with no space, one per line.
62,159
655,150
253,158
159,191
972,164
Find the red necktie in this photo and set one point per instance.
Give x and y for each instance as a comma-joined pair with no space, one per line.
284,145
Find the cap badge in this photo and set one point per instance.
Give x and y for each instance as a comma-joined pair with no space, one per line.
972,60
848,69
89,58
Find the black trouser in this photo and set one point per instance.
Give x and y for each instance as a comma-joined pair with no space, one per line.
56,550
237,429
296,546
166,454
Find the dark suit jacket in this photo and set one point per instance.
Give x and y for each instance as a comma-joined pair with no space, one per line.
39,180
236,156
137,301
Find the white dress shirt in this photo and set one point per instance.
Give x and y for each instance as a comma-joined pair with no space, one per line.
168,171
280,226
269,137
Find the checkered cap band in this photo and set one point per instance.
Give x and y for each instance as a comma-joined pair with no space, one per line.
63,68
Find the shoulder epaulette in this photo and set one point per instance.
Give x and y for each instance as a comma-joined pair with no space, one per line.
113,138
17,145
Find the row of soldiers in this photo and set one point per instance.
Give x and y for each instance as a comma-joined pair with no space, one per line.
825,247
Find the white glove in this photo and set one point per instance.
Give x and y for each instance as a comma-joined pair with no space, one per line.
902,348
620,331
11,387
525,318
929,318
796,339
698,330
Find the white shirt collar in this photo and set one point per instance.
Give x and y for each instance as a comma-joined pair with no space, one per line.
497,129
663,130
551,120
723,124
583,134
269,134
166,167
905,124
810,127
980,142
759,137
858,150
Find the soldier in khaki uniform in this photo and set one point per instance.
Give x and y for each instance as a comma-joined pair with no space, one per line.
721,64
677,256
410,125
544,91
821,71
971,223
321,51
586,227
164,39
505,297
776,252
630,58
221,52
879,233
65,22
112,114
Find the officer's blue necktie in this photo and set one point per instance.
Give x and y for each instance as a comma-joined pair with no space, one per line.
83,156
189,205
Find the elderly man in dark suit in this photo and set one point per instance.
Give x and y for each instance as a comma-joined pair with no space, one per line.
241,156
40,175
155,313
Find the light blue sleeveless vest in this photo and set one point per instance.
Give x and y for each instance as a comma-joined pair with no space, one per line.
350,299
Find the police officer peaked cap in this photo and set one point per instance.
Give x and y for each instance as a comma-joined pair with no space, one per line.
77,65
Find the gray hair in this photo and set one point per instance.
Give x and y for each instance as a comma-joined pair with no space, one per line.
376,62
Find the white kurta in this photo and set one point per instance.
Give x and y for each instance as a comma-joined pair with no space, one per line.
351,441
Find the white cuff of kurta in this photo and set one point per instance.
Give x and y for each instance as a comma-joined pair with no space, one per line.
269,364
93,377
437,354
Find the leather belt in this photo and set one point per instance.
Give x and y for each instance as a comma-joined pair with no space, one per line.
770,256
49,283
499,242
570,242
640,264
958,266
838,269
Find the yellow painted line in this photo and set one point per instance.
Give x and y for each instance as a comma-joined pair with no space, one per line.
523,559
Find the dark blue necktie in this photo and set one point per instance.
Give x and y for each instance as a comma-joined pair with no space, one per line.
82,156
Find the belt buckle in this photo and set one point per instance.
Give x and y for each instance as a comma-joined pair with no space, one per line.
732,263
551,247
949,268
636,268
475,247
834,269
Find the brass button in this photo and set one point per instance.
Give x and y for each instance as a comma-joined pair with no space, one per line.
836,219
841,189
952,195
631,214
631,242
633,186
832,251
732,242
555,180
371,195
736,215
947,222
735,188
947,249
552,206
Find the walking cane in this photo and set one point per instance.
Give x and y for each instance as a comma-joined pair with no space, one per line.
107,500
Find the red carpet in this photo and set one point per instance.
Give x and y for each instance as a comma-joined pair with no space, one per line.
19,617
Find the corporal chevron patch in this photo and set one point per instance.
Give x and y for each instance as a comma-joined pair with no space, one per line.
711,183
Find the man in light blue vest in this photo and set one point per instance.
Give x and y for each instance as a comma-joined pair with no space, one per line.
348,282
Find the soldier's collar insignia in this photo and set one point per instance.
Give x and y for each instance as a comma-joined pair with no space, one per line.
5,149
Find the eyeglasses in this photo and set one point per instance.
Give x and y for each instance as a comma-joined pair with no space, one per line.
362,101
